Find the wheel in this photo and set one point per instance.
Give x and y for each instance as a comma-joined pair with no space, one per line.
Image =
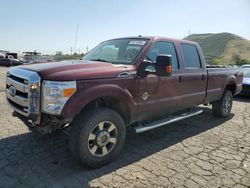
222,108
97,137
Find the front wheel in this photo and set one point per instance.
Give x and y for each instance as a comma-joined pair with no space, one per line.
97,137
223,107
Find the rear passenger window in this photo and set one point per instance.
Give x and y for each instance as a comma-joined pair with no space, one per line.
163,48
191,56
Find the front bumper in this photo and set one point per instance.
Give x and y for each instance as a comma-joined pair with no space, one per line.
48,124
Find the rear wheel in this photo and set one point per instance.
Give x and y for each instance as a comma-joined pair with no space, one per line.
97,137
222,108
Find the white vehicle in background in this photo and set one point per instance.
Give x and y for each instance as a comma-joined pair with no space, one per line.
30,57
246,80
35,57
245,66
2,56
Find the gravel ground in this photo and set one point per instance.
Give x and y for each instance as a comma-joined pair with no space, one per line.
202,151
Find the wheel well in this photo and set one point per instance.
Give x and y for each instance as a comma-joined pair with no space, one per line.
111,103
231,87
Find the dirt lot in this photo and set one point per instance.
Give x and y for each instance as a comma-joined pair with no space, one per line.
202,151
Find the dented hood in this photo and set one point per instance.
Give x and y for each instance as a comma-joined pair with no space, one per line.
77,70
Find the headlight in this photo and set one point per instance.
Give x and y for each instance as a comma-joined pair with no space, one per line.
55,95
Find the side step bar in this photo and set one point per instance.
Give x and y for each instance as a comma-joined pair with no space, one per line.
159,123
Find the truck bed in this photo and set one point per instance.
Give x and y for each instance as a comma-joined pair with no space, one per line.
217,79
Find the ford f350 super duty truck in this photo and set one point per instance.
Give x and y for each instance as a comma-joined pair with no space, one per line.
144,82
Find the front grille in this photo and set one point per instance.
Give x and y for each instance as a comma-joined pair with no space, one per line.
23,92
20,99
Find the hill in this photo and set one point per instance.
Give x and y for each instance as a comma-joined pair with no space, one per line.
225,46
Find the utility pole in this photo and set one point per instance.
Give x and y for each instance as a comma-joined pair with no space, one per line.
76,38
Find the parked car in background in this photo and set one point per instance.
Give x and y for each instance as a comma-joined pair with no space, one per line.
9,60
246,80
245,66
2,56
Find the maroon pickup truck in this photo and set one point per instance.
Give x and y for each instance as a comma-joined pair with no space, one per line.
144,82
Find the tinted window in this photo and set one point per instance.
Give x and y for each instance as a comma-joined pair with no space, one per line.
191,56
163,48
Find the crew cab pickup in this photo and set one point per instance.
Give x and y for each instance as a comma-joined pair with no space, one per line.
144,82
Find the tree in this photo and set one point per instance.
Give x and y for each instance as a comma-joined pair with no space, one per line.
242,62
216,61
238,60
59,53
235,58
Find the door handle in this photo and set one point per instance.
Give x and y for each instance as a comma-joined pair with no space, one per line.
203,77
180,78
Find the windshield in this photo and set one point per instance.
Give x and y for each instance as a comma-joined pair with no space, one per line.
118,51
246,72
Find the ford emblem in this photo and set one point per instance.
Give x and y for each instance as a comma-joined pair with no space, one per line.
12,91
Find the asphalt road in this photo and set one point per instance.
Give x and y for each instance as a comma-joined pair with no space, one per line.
202,151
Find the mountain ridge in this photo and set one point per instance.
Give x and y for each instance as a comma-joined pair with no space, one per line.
223,46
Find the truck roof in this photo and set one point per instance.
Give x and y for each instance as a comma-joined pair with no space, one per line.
156,38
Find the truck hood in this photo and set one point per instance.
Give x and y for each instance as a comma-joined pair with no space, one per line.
77,70
246,81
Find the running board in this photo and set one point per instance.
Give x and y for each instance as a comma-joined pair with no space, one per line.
159,123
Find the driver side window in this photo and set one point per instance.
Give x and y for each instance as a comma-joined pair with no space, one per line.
163,48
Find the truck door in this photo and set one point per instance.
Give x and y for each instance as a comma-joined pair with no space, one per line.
194,77
160,95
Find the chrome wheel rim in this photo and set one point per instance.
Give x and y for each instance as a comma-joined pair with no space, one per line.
227,104
102,139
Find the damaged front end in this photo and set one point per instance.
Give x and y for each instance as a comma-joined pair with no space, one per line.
37,103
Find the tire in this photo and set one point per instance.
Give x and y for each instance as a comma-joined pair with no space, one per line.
97,137
223,107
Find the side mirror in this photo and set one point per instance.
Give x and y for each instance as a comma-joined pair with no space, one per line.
163,65
143,69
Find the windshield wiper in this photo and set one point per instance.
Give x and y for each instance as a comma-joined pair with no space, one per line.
103,60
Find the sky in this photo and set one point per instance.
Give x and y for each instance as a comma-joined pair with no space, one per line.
48,26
